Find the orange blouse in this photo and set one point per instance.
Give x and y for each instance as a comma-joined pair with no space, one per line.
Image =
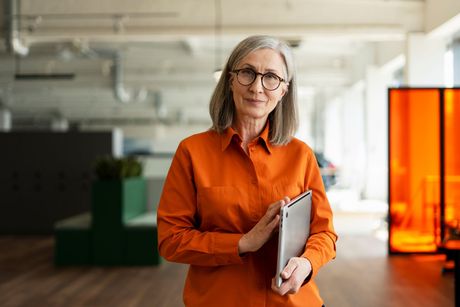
214,193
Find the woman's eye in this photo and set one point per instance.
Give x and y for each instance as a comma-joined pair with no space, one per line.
271,77
247,72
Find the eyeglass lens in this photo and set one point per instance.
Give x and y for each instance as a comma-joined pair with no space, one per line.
270,81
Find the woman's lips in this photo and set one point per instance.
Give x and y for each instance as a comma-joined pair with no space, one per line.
254,101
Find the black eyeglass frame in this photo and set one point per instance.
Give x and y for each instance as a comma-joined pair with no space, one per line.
256,73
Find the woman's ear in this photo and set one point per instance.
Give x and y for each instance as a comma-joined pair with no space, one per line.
285,89
230,81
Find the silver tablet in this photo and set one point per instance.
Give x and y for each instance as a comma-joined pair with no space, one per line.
294,230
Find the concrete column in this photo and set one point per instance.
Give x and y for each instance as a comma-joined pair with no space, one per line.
376,133
424,60
318,122
456,55
59,124
5,120
306,106
117,142
354,161
334,131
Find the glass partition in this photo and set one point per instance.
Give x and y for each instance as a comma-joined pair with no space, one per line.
414,169
424,168
452,163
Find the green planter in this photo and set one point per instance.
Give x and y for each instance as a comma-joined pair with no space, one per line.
141,245
113,203
73,241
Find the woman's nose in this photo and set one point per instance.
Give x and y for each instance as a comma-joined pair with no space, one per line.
257,86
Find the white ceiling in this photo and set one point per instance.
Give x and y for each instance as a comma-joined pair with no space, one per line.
170,49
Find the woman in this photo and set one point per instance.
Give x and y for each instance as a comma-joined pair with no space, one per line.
219,210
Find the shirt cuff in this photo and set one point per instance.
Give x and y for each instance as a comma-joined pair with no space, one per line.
225,248
309,255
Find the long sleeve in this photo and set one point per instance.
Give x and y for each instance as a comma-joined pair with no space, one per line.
320,247
180,239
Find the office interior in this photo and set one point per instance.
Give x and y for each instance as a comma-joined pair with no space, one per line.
378,95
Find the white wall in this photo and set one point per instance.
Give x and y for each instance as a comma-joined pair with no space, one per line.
354,161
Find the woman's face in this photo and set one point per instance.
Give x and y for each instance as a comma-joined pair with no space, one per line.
253,101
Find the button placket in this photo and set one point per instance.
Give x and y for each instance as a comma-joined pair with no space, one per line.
254,158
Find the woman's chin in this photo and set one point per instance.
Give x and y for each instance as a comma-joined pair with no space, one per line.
254,112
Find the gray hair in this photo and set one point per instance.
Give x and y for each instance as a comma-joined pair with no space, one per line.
283,119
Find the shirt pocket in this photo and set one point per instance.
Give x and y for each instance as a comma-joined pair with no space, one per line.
220,209
286,187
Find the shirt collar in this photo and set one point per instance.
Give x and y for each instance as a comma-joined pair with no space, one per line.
230,133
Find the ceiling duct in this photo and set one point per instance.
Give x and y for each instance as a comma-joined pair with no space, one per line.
84,50
120,91
16,46
13,40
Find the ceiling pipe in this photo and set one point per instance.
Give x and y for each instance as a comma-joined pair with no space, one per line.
120,91
16,46
117,69
13,40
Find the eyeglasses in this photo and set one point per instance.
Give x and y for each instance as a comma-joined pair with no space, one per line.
247,76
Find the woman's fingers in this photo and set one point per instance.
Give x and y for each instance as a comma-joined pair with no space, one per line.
275,207
274,223
263,230
290,267
272,211
294,274
272,216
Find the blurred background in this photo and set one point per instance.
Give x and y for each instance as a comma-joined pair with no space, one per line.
147,67
141,73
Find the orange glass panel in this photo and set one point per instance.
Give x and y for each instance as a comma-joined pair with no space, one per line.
452,161
414,149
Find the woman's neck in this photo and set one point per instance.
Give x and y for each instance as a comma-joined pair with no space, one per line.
248,130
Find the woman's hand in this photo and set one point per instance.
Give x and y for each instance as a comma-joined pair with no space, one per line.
263,230
294,275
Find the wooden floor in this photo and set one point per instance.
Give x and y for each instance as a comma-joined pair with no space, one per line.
362,275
